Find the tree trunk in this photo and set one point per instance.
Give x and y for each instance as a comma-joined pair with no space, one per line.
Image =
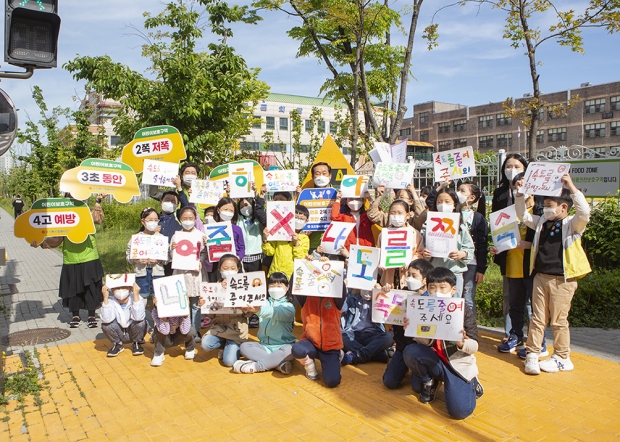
534,109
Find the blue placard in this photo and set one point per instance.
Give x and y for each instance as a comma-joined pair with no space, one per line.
319,203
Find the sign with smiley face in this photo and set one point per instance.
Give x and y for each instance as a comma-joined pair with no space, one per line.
160,143
101,176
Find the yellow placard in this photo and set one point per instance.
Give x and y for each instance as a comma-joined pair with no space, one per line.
332,155
161,143
101,176
55,217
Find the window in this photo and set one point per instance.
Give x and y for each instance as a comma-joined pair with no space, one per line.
115,140
444,128
295,124
283,123
504,140
459,125
593,106
503,119
485,121
345,149
333,127
615,127
257,124
271,123
424,135
556,134
321,127
614,103
250,146
424,117
405,132
595,130
309,126
540,136
461,142
445,145
485,142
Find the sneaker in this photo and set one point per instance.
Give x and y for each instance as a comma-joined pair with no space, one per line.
157,360
544,352
136,349
555,364
115,350
350,358
510,345
220,355
253,322
391,351
285,367
190,354
478,387
531,364
311,371
427,395
244,366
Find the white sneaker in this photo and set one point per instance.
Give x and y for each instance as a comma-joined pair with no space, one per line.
556,363
157,360
311,371
285,367
190,354
531,364
244,366
220,354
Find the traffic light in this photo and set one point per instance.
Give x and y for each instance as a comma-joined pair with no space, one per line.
31,33
8,122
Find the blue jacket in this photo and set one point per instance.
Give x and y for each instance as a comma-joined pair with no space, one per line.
275,328
357,315
169,224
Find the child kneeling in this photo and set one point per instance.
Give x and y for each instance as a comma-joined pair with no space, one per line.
123,319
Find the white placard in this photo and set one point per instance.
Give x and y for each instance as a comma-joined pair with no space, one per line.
381,153
186,254
455,163
149,247
505,229
246,289
354,186
396,247
120,280
316,278
220,240
214,296
206,192
389,307
544,179
159,173
335,236
363,267
442,233
281,180
435,318
394,175
240,180
399,152
280,220
171,296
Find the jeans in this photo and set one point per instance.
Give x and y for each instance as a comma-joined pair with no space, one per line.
506,306
163,341
195,313
469,287
459,285
395,373
115,333
146,283
255,351
330,361
369,344
425,365
231,348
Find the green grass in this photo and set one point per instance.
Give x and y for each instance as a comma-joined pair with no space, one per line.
112,245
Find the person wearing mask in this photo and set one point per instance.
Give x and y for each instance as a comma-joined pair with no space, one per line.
322,177
168,222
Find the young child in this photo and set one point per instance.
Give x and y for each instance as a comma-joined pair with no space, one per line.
285,252
353,211
252,221
183,182
321,337
227,332
172,331
123,319
397,369
275,331
469,194
559,260
227,211
448,202
168,220
453,363
417,216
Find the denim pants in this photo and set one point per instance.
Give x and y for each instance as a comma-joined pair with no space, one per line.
369,344
459,285
146,283
330,361
195,313
506,306
469,286
396,371
231,348
425,365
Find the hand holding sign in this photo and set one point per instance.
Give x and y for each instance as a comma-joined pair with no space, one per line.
544,179
453,164
442,231
335,237
505,229
280,220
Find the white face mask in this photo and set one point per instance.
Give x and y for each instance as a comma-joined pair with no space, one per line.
246,211
188,225
151,225
121,294
228,273
299,224
167,207
462,198
397,220
209,219
277,292
512,173
189,179
413,284
366,295
550,213
354,205
321,181
445,208
439,294
227,216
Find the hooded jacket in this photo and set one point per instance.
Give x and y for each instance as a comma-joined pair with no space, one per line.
321,319
275,328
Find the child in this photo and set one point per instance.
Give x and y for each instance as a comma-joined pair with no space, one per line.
453,363
252,222
227,331
417,215
123,319
285,252
448,202
470,194
172,331
354,211
275,331
227,211
321,337
209,215
183,182
397,369
559,260
168,220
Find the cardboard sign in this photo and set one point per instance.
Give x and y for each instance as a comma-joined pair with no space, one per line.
381,153
171,296
240,180
505,229
394,175
319,203
280,220
331,154
160,143
435,318
363,267
159,173
215,295
396,247
544,179
354,186
206,192
220,240
281,180
316,278
455,163
335,236
442,233
246,289
186,254
55,217
220,173
120,280
389,307
149,247
100,176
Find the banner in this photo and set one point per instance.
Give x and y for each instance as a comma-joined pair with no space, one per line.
389,307
455,163
280,220
171,296
281,180
544,179
442,233
186,254
396,247
505,229
316,278
215,295
240,180
206,192
220,240
120,280
160,143
149,247
363,267
335,236
319,203
394,175
159,173
435,318
354,186
246,289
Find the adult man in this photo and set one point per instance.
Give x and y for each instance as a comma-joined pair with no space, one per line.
18,205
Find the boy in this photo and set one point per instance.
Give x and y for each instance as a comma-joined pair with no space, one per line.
453,363
558,261
123,319
285,252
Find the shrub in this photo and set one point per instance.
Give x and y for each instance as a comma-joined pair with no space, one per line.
124,216
597,301
601,240
489,299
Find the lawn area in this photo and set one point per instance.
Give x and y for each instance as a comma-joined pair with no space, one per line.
112,245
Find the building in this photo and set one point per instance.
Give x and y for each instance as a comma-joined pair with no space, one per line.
593,121
103,111
6,162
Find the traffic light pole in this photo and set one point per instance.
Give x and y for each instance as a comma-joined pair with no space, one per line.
18,75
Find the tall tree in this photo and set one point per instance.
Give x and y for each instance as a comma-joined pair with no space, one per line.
208,96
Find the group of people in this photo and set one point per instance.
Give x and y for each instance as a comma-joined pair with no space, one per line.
340,331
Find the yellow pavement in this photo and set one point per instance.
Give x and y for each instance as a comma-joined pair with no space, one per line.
92,397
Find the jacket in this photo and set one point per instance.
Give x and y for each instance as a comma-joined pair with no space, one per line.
479,232
417,218
361,234
284,254
169,224
134,312
233,327
321,319
275,327
355,310
252,228
140,269
575,260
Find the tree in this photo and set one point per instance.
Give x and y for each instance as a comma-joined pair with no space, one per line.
208,96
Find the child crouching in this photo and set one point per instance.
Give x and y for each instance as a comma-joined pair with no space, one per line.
123,319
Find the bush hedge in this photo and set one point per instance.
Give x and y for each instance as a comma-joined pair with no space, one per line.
601,240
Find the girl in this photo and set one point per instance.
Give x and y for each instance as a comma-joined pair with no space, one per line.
354,211
470,194
227,331
457,261
252,221
275,331
147,270
209,214
408,195
227,211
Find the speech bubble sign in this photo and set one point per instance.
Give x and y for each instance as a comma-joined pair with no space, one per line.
160,143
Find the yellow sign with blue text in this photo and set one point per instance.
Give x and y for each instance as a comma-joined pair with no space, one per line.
331,154
161,143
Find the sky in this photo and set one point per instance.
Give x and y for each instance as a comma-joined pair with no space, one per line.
473,64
